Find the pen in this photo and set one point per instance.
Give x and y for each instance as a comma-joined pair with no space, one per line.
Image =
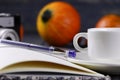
51,49
27,45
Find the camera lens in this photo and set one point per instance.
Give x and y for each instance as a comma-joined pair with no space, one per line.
8,34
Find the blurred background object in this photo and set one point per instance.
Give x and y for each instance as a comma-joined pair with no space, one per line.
58,22
10,27
109,21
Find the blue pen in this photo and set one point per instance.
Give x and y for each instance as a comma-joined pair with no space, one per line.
70,53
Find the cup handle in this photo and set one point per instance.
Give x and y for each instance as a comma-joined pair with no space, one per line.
75,42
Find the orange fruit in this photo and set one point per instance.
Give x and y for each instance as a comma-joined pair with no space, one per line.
58,22
109,21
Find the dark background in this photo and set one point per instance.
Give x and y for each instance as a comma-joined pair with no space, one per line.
90,11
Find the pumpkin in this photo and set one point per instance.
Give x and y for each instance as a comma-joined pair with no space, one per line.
109,21
58,22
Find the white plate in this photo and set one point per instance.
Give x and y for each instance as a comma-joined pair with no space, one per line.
104,66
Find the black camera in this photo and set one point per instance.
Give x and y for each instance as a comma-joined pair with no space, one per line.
10,26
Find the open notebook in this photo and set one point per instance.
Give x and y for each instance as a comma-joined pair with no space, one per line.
18,60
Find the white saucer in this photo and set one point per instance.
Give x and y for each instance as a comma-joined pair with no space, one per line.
104,66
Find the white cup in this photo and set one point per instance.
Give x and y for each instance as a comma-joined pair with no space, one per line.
103,43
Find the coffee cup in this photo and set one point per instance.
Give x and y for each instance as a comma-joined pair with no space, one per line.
103,43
